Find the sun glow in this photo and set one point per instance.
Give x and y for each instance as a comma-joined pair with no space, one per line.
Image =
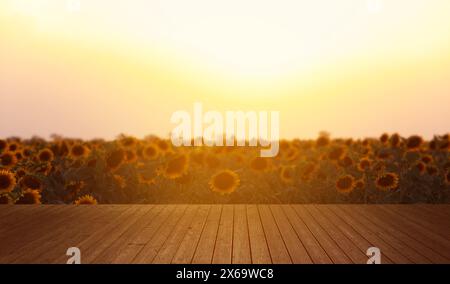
314,55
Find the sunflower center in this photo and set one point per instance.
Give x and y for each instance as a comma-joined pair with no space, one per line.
224,181
345,183
387,180
5,181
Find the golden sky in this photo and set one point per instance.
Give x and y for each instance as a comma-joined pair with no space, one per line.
350,67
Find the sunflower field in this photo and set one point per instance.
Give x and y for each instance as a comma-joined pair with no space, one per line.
389,169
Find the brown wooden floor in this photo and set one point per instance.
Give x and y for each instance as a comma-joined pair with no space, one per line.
225,233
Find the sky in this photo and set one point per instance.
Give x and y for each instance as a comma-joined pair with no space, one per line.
98,68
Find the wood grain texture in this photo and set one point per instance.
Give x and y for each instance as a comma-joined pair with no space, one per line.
224,234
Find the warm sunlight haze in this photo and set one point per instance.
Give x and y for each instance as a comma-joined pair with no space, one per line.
98,68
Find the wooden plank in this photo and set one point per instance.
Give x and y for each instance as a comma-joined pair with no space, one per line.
25,248
51,218
7,211
295,247
312,246
443,209
36,213
436,209
427,238
429,222
327,243
89,246
224,240
346,245
56,242
275,242
396,229
205,248
137,242
79,230
99,239
111,253
241,242
387,235
371,235
440,219
150,250
359,240
96,246
188,245
442,243
224,233
258,244
172,243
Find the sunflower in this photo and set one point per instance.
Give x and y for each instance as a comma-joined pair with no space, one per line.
27,152
420,166
13,146
366,142
336,153
120,181
31,182
383,154
21,172
19,156
345,184
308,170
394,140
150,152
147,177
259,164
176,166
115,159
73,188
366,151
291,154
29,196
128,142
360,184
8,159
414,142
44,169
224,182
63,149
384,138
364,164
432,145
445,145
427,159
387,181
322,141
163,145
345,162
3,145
86,200
78,151
130,156
5,199
287,174
7,181
45,155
